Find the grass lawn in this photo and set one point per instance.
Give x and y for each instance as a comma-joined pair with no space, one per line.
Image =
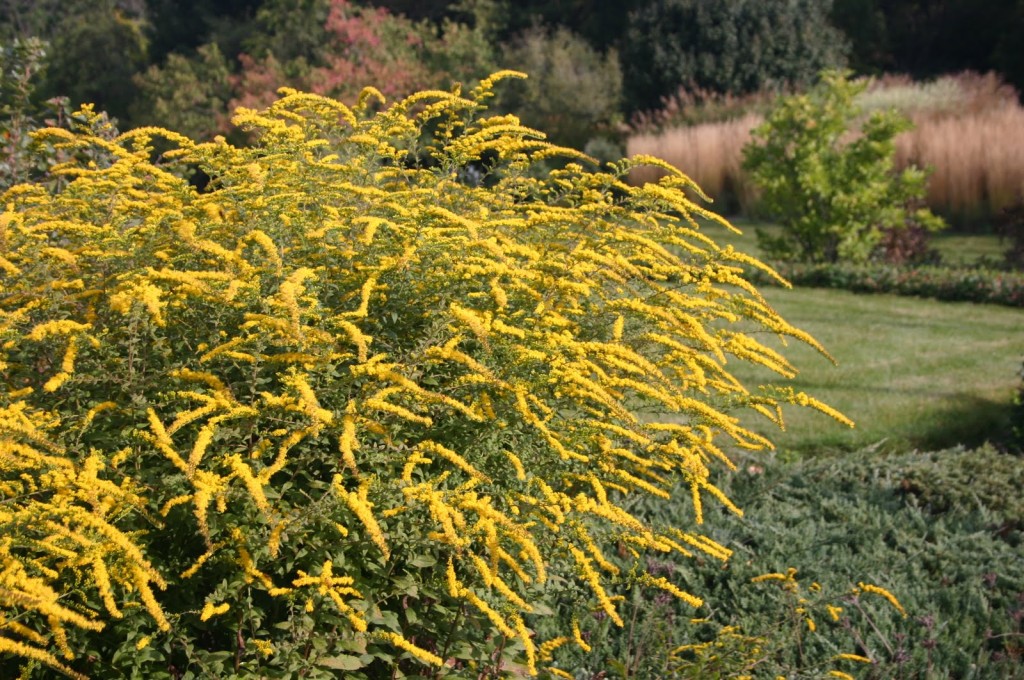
912,372
915,373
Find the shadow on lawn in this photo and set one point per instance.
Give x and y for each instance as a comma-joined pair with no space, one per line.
966,420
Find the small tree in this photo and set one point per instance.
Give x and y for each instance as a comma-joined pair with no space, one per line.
827,174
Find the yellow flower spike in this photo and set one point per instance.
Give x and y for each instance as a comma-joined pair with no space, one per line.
577,636
594,580
669,587
547,648
517,464
197,565
499,622
210,610
852,657
61,327
526,637
455,587
365,515
8,646
423,655
878,590
102,579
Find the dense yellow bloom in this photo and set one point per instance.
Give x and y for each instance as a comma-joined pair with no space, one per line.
329,349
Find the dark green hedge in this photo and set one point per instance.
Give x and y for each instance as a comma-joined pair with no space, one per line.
943,283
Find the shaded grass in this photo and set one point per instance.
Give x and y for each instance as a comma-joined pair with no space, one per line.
966,250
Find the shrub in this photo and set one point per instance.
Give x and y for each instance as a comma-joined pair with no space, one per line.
189,95
342,411
835,196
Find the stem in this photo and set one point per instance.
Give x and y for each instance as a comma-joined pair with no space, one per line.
451,633
239,644
631,672
871,622
497,668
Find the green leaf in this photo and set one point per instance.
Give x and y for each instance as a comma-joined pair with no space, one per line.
423,561
343,662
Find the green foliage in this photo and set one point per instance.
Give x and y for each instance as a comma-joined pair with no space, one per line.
290,30
94,53
940,531
827,175
725,46
572,92
188,95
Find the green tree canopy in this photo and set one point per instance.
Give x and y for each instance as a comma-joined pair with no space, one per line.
733,46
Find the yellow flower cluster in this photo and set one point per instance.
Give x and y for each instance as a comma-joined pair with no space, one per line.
334,334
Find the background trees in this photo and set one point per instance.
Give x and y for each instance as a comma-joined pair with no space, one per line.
114,52
730,46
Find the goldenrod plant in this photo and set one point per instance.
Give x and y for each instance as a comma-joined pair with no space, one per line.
364,403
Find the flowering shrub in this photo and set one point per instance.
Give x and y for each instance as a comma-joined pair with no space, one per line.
343,411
